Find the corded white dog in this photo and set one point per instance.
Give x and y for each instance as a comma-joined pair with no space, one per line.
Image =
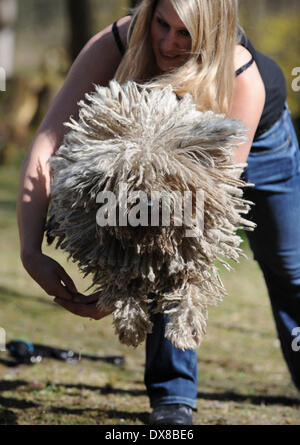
132,141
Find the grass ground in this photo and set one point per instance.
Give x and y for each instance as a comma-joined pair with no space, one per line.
242,376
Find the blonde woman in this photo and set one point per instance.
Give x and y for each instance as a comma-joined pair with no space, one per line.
196,46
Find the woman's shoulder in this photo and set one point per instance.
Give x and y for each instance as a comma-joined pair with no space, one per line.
123,26
241,57
100,58
107,35
248,77
249,89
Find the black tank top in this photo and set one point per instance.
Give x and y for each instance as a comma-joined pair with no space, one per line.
271,74
275,86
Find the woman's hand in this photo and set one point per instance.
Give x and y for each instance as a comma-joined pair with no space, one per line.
50,275
55,281
83,305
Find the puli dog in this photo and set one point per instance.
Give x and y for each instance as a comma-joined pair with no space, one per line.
143,253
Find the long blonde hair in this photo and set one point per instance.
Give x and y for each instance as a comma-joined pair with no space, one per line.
208,73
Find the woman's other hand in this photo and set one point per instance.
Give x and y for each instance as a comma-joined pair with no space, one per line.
83,305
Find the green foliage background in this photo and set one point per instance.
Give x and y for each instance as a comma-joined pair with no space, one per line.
276,34
42,60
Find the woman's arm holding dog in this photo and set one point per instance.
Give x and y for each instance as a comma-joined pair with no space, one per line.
96,64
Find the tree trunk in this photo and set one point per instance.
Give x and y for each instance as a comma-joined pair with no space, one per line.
79,13
134,3
8,14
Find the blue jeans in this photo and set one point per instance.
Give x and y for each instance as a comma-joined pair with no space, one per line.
274,168
170,373
275,171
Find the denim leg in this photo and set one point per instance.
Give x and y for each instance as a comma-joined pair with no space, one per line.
276,240
276,246
170,373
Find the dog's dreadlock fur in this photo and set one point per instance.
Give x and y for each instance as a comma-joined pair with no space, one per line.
151,140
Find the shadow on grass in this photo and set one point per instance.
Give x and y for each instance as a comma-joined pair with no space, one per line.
108,389
104,414
8,292
10,402
253,399
7,416
10,385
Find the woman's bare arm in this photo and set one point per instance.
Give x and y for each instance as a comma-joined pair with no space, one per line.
248,102
96,64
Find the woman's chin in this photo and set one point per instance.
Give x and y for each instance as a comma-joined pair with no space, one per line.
166,66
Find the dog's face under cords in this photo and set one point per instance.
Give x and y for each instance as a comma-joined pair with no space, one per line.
145,198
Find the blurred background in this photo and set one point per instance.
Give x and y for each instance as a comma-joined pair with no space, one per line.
39,39
243,378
